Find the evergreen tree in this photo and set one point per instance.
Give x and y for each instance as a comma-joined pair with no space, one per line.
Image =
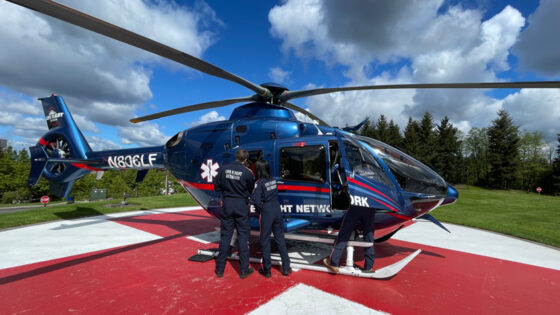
152,184
556,169
7,166
368,130
118,187
83,186
503,152
411,141
394,135
448,149
476,150
382,129
533,159
426,136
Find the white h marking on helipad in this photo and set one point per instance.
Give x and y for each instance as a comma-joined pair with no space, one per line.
304,299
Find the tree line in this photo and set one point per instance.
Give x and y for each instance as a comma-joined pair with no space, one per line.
500,156
14,170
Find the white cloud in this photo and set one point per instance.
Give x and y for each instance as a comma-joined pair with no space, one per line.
277,75
208,117
339,109
538,45
20,106
144,134
28,128
102,80
450,45
542,104
98,144
84,124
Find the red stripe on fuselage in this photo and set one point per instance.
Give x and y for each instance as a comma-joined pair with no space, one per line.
400,216
371,188
86,167
198,185
386,205
280,187
43,142
303,188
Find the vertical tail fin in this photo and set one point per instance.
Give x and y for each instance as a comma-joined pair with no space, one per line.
60,121
63,141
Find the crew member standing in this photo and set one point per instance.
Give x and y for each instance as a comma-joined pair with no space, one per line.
354,216
235,181
265,199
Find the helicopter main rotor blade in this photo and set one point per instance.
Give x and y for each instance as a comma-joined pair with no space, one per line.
192,108
287,95
91,23
303,111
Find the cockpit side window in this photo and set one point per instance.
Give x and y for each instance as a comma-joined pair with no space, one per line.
364,164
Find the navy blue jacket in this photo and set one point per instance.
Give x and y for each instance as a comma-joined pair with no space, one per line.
234,181
265,195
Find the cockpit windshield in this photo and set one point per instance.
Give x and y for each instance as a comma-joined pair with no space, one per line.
411,175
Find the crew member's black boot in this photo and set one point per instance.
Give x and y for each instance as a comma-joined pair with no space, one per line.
265,272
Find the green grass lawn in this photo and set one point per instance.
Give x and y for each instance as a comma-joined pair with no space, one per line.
523,215
78,210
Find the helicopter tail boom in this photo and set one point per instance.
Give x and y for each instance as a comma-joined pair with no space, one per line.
62,155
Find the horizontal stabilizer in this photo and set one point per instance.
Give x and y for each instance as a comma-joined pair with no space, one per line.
434,220
79,161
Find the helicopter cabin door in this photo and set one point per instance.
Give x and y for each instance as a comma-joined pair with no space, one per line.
302,176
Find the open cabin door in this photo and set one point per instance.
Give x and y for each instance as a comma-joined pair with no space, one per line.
302,171
340,195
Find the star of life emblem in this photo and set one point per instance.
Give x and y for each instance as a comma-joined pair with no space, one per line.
209,170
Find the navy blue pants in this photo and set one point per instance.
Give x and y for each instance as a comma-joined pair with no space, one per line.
235,214
366,218
271,221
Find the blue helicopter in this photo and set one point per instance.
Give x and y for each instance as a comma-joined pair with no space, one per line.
310,161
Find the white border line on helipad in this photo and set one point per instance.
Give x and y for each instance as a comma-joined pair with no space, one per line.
63,238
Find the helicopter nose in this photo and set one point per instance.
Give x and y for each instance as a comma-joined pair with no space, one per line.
452,195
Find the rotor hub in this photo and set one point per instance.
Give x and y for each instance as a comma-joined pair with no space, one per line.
277,91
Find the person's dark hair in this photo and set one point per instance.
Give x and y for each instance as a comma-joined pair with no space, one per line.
262,169
241,155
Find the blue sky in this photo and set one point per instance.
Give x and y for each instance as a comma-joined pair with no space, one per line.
300,44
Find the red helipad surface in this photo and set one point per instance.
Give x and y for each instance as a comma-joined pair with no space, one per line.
155,277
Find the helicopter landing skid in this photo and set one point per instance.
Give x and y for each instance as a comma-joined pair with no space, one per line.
349,269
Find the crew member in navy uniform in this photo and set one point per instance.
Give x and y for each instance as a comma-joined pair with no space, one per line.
354,216
265,199
235,181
